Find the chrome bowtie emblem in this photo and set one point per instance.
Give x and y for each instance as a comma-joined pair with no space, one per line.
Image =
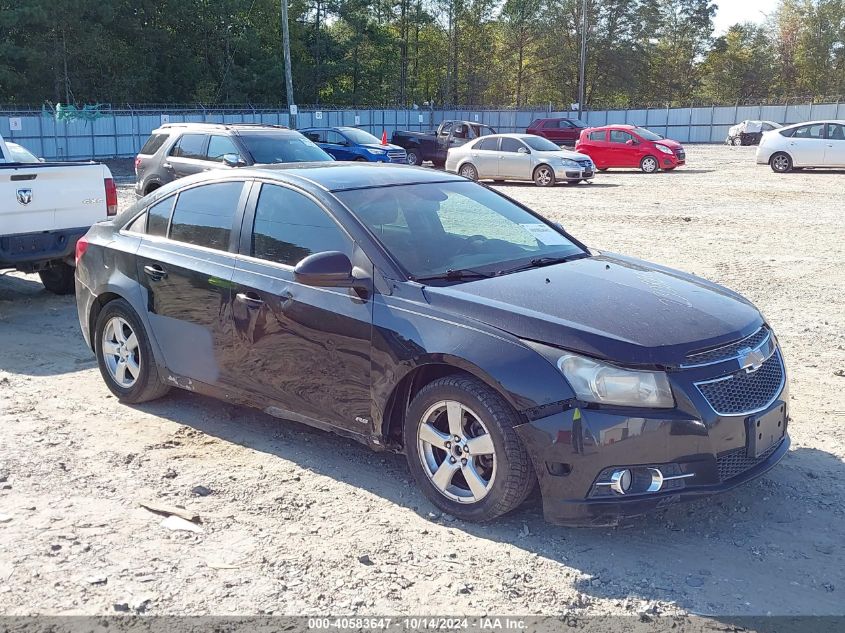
24,196
751,360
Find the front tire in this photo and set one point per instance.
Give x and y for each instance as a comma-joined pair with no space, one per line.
469,171
58,279
781,163
463,451
544,176
737,141
413,157
649,165
124,355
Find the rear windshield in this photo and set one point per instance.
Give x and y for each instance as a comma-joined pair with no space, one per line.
282,147
153,144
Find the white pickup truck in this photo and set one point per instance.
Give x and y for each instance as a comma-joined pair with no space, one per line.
44,209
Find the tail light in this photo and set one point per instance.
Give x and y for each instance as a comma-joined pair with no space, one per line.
137,164
111,197
81,247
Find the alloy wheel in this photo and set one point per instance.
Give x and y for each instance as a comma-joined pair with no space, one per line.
468,171
544,176
781,163
121,352
649,165
457,452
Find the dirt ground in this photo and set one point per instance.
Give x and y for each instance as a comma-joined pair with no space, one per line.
298,521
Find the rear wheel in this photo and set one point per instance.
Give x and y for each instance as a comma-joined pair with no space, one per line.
649,165
463,451
124,354
469,171
58,279
781,163
736,141
413,157
544,176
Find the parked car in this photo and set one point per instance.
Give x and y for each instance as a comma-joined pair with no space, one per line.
418,312
750,132
559,130
350,143
434,146
176,150
816,144
20,154
630,146
45,208
503,157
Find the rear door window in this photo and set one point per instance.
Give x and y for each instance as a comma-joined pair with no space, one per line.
190,146
487,144
815,131
158,217
153,144
551,125
203,215
219,146
290,226
601,136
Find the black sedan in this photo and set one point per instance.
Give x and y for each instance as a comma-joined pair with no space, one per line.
418,312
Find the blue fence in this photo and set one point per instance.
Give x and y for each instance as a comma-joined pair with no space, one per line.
121,133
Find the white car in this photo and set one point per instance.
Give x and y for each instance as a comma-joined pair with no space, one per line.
503,157
815,144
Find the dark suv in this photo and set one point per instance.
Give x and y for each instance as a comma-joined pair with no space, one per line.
176,150
558,130
419,312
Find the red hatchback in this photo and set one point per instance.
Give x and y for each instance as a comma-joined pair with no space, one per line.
630,146
561,131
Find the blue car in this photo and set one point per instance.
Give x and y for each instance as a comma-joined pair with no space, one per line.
350,143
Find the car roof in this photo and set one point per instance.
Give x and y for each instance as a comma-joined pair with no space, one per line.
837,121
334,176
219,127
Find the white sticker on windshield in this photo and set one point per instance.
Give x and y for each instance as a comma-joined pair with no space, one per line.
545,234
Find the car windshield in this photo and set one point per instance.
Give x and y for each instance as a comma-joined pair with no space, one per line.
285,147
648,134
540,144
360,137
435,229
20,154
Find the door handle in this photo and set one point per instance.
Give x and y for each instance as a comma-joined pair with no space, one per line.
167,165
250,299
155,272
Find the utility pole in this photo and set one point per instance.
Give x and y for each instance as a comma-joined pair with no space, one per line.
286,46
582,87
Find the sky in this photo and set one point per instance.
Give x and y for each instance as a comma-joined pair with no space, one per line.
733,11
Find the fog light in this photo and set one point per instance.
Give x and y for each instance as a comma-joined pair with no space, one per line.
620,481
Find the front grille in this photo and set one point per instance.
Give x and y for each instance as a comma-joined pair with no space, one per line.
585,164
735,462
681,154
729,351
397,156
743,393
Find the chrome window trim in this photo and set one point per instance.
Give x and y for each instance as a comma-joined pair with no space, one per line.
778,391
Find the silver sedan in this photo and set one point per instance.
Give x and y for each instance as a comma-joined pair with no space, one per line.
519,157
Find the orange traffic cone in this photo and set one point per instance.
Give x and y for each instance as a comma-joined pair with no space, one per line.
384,137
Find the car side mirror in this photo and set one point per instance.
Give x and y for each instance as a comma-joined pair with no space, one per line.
524,150
233,160
327,269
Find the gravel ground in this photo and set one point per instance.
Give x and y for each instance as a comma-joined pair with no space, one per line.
297,521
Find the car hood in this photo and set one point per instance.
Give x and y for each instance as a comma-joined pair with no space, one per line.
389,146
668,142
563,153
607,306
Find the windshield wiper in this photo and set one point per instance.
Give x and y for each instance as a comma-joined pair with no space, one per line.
457,274
540,262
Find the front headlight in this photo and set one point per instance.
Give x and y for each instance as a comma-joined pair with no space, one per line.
594,381
376,152
566,162
664,149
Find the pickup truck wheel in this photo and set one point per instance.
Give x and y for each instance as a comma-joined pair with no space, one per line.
413,157
544,176
124,355
58,279
469,171
463,451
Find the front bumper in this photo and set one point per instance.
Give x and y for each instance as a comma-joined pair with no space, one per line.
574,449
573,174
